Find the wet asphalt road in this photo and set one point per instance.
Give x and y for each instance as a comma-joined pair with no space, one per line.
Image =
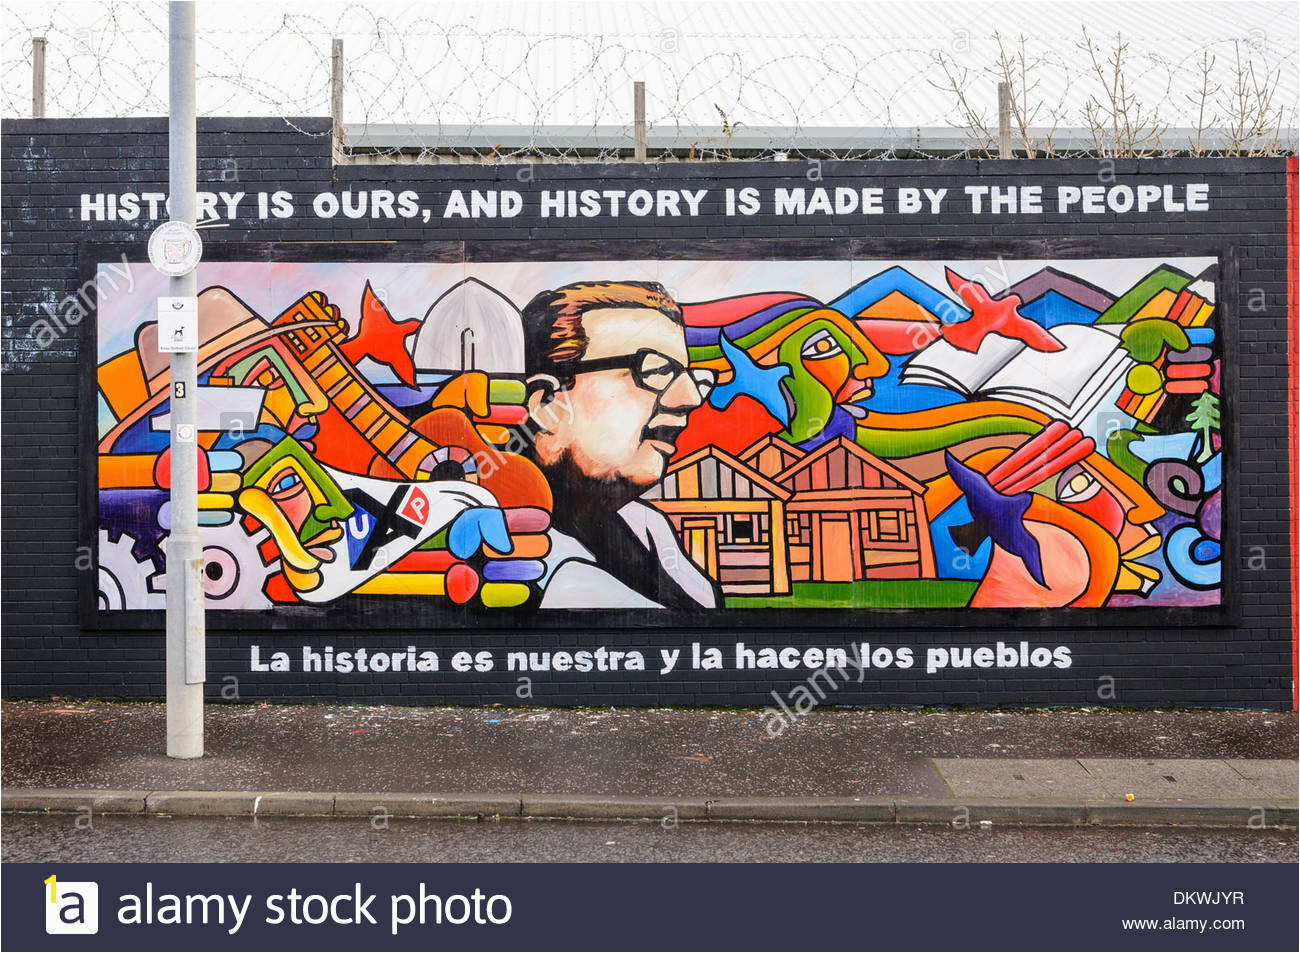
50,838
667,752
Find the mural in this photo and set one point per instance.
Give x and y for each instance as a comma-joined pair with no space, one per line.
679,434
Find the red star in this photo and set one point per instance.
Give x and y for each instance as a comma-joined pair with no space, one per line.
381,338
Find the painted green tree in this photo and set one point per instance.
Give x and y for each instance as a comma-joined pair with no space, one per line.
1205,418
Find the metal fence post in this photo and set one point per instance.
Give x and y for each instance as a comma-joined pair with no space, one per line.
638,121
336,96
38,77
1004,120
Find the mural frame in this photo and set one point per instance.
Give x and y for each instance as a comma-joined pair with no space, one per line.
406,612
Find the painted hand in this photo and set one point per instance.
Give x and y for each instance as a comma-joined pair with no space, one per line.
504,547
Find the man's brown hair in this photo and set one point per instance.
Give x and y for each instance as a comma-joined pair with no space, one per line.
554,338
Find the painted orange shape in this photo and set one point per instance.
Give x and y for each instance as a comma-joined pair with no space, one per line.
1187,387
1188,371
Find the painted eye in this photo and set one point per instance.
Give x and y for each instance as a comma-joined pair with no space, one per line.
1076,485
820,346
705,380
657,372
285,483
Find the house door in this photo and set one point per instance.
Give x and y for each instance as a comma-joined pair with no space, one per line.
701,538
836,550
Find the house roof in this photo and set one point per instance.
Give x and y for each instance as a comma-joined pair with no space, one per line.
748,472
867,457
769,440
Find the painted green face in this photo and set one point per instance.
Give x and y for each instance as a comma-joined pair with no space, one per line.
827,368
287,477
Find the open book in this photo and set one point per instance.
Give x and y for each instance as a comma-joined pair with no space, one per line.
1067,384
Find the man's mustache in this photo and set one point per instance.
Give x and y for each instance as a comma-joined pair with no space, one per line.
668,434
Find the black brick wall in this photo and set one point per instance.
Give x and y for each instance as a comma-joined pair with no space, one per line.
47,164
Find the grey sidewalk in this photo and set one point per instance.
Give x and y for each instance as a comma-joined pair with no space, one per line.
1052,767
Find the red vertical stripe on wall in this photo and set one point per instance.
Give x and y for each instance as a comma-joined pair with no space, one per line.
1293,403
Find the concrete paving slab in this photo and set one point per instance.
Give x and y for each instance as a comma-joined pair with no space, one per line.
1060,778
860,810
1277,777
1165,778
231,803
200,802
965,814
64,800
427,805
293,802
597,806
1190,813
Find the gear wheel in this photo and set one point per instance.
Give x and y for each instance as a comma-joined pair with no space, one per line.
233,570
124,581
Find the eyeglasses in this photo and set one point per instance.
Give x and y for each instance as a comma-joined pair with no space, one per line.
653,371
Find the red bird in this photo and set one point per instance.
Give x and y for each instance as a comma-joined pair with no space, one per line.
381,338
991,315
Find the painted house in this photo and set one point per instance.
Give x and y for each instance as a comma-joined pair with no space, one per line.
730,518
841,514
851,515
771,455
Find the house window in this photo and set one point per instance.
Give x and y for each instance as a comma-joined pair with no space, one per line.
887,526
742,529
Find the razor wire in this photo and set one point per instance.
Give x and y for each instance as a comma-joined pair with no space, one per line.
436,82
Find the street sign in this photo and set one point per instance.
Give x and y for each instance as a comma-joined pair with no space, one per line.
178,325
175,248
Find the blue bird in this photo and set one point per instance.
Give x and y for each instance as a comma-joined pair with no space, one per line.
763,384
994,515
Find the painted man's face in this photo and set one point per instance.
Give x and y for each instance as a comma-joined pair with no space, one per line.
632,390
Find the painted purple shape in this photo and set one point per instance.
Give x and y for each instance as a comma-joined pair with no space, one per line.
134,512
702,337
1210,516
1068,286
513,570
996,515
